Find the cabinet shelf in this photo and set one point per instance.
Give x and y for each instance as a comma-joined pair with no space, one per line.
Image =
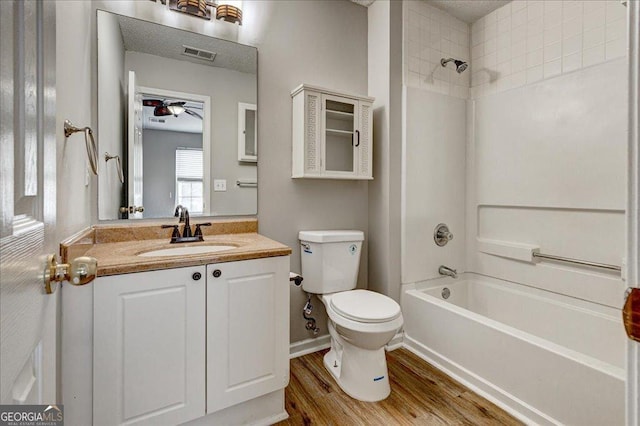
339,132
339,115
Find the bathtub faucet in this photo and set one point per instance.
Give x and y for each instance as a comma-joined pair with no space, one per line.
445,270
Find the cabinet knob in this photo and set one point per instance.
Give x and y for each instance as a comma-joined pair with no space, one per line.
196,276
217,273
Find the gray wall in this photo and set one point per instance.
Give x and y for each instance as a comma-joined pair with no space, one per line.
226,88
112,109
385,84
159,168
321,43
76,201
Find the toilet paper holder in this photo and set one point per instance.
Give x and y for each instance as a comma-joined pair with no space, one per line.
295,278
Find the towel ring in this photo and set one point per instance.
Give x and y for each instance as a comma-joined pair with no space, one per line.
108,157
90,143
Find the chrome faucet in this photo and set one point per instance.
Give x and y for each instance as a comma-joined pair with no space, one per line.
445,270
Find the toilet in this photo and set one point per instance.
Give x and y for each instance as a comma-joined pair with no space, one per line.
361,322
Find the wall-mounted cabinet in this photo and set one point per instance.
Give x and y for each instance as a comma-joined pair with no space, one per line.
247,132
332,134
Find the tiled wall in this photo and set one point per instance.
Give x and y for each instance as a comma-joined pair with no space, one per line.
527,41
429,35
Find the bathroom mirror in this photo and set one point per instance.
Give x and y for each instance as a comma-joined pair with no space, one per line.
172,106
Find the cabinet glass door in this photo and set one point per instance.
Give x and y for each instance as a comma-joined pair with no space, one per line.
340,134
247,125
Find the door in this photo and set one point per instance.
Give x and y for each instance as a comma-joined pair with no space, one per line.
633,205
149,359
247,330
134,143
28,317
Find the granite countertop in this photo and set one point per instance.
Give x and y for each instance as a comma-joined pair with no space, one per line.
117,248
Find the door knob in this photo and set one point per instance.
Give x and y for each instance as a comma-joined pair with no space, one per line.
81,271
631,314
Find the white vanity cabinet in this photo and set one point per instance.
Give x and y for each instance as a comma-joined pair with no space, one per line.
175,345
149,347
332,134
247,330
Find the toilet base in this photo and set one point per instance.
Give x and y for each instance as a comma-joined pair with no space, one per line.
361,373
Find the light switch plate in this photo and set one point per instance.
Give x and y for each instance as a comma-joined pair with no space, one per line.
219,185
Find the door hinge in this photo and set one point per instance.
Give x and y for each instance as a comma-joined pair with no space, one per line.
631,314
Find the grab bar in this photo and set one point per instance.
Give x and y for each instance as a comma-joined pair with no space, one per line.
578,262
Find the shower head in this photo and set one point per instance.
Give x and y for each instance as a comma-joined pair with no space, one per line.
460,65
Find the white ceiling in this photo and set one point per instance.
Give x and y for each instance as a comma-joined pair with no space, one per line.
182,123
468,11
168,42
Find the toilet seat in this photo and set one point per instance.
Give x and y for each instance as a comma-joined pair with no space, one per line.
364,306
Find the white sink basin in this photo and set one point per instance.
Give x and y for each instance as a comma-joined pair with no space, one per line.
177,251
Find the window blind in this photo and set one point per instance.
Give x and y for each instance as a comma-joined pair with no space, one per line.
189,164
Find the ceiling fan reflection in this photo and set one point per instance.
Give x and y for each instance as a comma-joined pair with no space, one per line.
165,107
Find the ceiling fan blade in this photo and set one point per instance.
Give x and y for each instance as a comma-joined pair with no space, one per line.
161,111
176,103
152,102
193,113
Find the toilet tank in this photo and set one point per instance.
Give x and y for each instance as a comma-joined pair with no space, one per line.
330,260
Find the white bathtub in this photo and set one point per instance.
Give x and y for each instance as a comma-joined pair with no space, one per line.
546,358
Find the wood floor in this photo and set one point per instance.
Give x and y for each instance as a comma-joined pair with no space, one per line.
420,395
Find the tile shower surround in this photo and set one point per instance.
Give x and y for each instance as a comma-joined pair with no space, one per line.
520,43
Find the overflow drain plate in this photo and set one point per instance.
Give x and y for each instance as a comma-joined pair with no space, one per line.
446,293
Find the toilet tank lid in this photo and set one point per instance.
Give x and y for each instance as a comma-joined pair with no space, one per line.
330,236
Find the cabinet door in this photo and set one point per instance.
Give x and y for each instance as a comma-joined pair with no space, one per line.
247,128
340,136
247,330
365,137
307,111
149,347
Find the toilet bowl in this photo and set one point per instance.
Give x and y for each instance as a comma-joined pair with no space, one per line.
359,333
361,322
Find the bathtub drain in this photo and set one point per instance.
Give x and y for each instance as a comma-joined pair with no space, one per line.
446,293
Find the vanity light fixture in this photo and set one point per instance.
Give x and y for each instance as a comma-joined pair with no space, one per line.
226,10
229,11
199,8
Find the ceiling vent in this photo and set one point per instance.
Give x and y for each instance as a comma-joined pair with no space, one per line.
193,52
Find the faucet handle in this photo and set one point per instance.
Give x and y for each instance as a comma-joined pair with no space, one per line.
198,232
442,235
175,234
